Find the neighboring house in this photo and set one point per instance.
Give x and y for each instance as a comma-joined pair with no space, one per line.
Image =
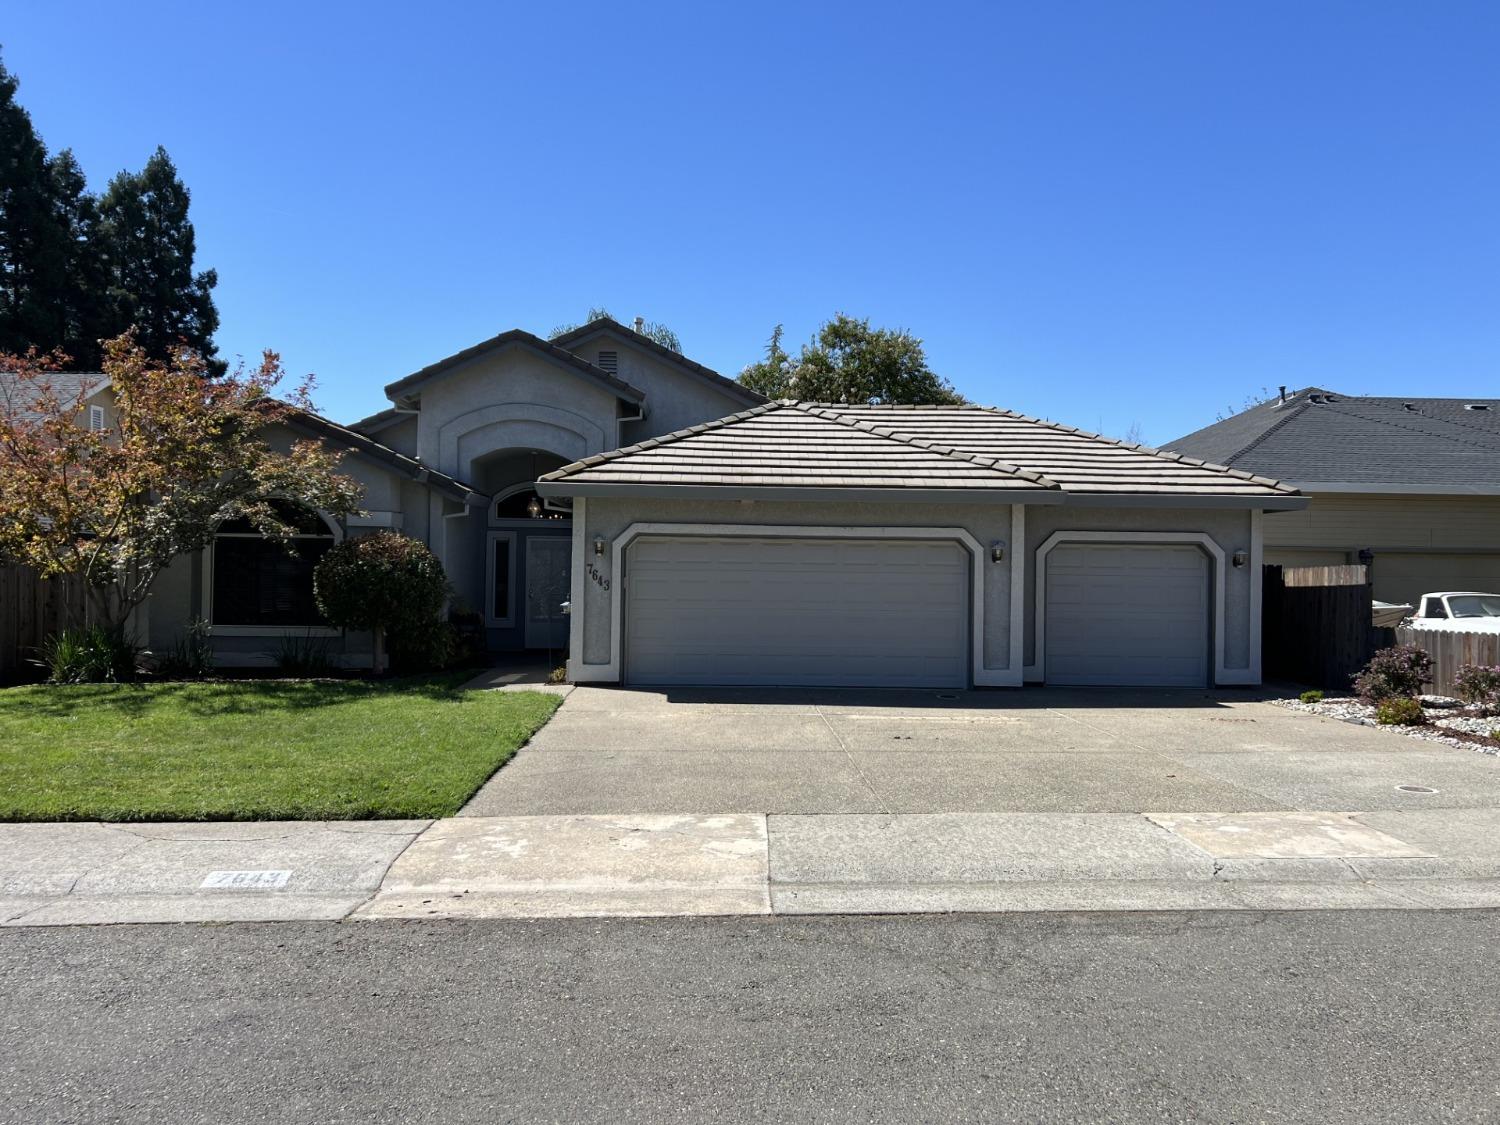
805,544
703,535
1410,484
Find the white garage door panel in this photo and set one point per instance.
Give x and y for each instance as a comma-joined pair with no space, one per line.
806,612
1127,615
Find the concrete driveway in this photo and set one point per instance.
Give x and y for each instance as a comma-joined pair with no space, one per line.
704,751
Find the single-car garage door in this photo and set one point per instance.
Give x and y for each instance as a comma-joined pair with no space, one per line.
1132,615
806,612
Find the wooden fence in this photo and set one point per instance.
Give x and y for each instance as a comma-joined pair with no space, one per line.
1316,625
1450,650
30,611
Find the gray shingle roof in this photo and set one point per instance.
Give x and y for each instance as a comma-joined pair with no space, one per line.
1365,443
958,448
68,386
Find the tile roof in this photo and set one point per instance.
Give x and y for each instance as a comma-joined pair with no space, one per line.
366,446
959,448
1363,442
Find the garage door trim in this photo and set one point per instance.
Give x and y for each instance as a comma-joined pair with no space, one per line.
1221,675
980,675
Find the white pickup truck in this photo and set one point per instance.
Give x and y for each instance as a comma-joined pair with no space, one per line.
1463,610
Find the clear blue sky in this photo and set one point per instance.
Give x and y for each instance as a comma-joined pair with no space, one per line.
1104,213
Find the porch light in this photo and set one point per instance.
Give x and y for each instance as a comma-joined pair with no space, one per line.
599,547
534,508
1239,558
997,552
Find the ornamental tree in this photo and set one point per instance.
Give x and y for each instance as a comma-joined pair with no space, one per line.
388,583
185,452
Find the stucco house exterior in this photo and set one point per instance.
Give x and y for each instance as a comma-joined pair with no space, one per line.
701,535
1409,485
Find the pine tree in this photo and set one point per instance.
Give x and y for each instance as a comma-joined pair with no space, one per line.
148,245
31,242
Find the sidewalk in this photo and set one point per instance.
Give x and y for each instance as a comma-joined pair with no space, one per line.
594,866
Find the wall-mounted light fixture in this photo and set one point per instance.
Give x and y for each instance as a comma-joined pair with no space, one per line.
997,551
599,547
1239,558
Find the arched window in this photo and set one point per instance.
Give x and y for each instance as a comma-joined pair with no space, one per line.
258,582
522,503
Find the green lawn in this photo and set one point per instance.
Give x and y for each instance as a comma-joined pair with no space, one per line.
256,750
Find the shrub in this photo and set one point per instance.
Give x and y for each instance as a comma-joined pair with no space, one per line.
1399,711
1394,673
1314,696
429,646
191,656
94,655
1476,684
388,583
303,656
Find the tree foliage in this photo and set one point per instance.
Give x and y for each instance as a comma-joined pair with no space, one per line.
850,362
76,269
651,329
387,582
185,451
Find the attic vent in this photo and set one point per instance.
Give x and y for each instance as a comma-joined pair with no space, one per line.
609,361
96,417
1476,406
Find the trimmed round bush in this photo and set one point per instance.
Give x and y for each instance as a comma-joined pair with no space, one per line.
388,583
1397,672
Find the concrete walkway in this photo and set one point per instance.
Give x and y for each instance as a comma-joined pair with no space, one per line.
653,865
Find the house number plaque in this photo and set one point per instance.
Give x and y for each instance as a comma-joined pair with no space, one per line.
598,576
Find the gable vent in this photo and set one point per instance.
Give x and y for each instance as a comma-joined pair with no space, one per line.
96,417
609,361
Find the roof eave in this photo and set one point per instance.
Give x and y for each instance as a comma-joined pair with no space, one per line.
1378,489
801,493
406,391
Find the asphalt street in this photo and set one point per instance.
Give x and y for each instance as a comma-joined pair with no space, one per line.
1361,1017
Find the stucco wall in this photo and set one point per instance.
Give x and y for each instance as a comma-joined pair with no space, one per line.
675,399
1230,529
513,399
607,518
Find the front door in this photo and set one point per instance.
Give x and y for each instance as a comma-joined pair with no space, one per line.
548,584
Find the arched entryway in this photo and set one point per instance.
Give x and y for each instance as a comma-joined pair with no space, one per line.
527,550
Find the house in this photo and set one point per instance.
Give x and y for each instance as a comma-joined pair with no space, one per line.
1410,485
700,534
816,544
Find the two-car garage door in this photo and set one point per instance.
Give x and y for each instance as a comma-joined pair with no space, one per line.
897,612
794,611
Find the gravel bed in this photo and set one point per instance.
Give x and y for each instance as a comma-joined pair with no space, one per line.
1448,722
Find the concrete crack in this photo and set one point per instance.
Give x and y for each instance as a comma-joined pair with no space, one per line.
885,808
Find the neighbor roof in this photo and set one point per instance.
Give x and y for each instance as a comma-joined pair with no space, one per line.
516,337
707,374
942,450
68,385
1330,442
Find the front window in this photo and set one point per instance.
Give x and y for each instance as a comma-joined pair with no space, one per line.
1475,605
263,583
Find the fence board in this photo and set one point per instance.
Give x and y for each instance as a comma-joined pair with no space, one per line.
32,610
1450,650
1318,633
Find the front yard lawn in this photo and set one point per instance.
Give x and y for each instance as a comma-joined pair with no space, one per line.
256,750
